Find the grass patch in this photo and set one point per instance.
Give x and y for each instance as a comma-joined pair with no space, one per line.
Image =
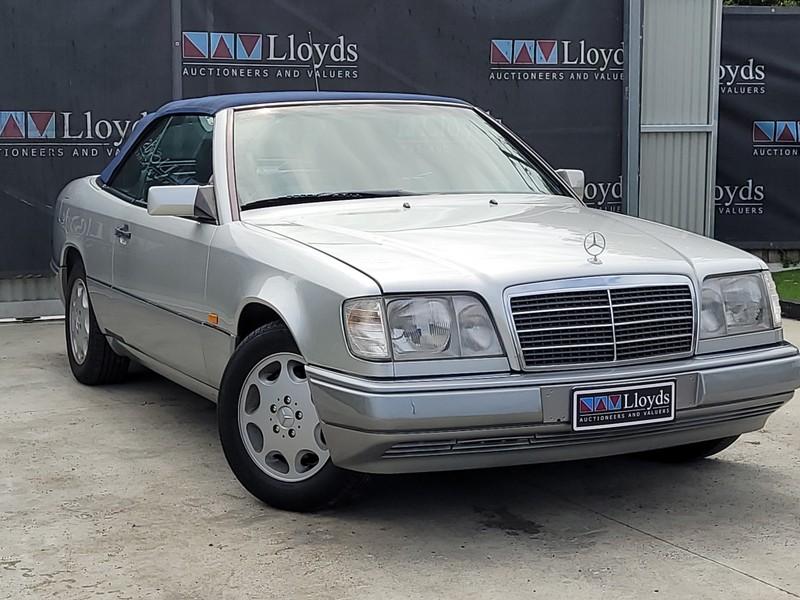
788,283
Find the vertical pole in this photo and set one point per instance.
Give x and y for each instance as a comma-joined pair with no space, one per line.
713,114
632,106
177,56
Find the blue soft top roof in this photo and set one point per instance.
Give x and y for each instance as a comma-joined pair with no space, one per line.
209,105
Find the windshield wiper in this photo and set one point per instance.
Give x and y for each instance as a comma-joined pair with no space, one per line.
322,197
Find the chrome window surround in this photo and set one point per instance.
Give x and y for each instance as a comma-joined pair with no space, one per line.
540,162
599,283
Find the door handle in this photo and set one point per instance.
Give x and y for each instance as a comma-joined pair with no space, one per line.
123,232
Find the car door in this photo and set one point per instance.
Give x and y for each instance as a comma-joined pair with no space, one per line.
159,262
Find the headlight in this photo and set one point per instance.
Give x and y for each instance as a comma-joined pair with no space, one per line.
475,328
736,304
774,299
422,327
363,324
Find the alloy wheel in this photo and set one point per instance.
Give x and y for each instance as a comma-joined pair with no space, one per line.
79,322
278,422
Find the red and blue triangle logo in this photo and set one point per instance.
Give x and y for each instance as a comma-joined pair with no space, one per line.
500,52
41,124
523,52
763,131
546,52
12,124
786,132
195,44
248,46
222,46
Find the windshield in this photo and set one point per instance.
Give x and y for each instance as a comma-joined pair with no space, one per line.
337,151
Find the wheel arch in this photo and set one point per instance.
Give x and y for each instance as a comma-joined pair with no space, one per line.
255,313
70,257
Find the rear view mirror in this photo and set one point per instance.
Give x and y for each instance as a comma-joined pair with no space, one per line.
193,201
575,179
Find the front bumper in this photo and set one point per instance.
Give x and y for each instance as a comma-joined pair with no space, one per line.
396,426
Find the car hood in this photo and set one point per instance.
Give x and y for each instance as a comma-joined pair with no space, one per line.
478,241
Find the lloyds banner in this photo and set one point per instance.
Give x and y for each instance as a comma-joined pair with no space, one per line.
758,156
78,79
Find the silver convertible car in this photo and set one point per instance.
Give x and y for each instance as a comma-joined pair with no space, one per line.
382,283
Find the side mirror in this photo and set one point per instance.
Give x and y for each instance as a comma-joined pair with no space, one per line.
575,179
193,201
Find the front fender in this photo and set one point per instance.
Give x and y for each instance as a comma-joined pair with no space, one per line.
304,286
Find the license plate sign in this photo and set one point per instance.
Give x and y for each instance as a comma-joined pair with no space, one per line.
623,405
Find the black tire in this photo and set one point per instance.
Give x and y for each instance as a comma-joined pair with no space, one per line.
101,364
690,452
331,485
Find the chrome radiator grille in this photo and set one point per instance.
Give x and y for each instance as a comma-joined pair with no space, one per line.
604,325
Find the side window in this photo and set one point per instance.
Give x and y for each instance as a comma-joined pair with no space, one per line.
176,154
129,178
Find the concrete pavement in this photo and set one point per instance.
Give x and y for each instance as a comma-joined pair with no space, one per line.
123,492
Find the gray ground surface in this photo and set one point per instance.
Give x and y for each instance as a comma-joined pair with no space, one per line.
123,492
